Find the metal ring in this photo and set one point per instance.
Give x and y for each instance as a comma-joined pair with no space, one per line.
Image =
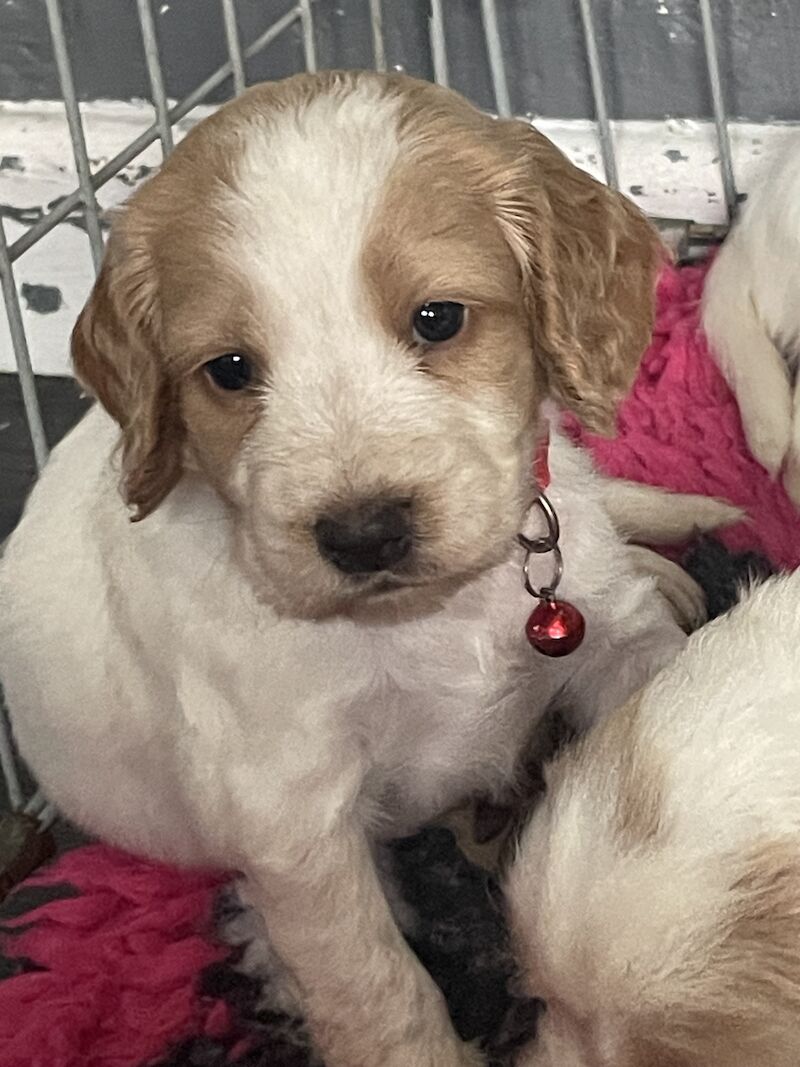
546,592
551,538
538,546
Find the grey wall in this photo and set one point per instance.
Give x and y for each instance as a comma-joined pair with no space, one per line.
652,50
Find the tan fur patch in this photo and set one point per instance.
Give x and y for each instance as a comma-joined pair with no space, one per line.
639,807
165,302
589,261
548,261
742,1002
435,239
116,356
616,751
759,957
587,256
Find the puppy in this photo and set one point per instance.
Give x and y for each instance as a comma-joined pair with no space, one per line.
751,315
321,339
655,898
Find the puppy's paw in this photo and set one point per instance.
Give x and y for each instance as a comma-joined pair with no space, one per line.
768,437
243,927
684,596
711,513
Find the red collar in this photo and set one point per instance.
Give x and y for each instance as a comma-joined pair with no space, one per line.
541,464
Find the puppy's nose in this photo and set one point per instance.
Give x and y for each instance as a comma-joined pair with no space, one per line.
372,537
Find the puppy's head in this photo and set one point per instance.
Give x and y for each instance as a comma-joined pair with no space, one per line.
343,299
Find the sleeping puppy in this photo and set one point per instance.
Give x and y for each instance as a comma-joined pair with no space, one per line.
655,898
321,340
751,315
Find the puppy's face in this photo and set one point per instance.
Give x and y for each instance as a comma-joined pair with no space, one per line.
342,300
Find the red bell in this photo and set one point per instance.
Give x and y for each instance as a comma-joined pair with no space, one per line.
555,628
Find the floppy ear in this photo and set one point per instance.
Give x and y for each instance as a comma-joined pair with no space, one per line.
589,261
116,358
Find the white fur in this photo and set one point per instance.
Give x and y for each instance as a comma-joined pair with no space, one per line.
176,695
652,515
751,314
617,934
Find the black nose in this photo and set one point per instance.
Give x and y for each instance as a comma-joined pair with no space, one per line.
372,537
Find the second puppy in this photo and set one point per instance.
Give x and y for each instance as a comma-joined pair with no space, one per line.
655,899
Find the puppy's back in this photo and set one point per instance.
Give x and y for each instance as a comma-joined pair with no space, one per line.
656,896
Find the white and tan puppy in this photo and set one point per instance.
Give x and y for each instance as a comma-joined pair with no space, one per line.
751,315
321,339
655,898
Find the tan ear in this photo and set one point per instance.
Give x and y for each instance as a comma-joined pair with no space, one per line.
116,358
589,261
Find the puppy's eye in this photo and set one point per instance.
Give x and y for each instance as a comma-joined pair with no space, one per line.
231,372
438,321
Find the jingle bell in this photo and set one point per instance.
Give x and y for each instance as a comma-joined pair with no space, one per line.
555,627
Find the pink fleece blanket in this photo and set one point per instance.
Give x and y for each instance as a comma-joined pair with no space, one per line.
680,428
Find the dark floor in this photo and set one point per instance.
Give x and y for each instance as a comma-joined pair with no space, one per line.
61,405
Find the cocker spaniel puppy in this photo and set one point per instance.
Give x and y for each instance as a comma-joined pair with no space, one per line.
321,341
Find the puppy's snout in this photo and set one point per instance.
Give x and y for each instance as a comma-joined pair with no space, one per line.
372,537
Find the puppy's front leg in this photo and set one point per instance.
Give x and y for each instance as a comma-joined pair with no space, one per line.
368,1001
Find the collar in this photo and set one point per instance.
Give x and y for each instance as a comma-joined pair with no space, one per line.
541,460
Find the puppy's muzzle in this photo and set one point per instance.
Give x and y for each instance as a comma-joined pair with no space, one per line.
374,536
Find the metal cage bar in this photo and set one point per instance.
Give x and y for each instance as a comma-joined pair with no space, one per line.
378,45
155,75
19,342
147,137
438,46
234,46
47,816
8,765
720,112
36,804
75,123
494,48
40,808
599,95
309,46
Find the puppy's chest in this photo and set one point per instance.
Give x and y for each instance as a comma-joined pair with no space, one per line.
460,695
454,701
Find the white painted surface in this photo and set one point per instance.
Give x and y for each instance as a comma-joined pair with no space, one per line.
669,168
